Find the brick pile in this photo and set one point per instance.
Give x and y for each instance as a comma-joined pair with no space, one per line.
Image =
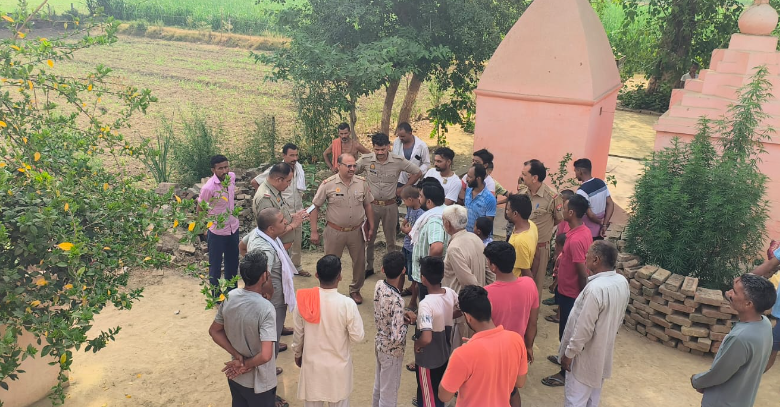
673,309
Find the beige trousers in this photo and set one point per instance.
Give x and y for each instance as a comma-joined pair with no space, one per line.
336,241
388,215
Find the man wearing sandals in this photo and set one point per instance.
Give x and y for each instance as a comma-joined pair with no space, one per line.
293,198
589,339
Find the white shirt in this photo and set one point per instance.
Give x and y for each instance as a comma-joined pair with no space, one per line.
688,76
589,337
421,157
451,184
490,183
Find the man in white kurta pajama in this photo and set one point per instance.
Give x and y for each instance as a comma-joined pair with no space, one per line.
327,325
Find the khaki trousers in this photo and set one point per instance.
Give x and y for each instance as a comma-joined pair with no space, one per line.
295,250
336,241
541,272
388,215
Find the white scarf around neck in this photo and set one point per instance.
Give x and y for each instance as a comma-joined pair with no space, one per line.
288,269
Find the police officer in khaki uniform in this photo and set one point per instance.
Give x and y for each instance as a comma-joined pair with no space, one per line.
382,170
269,195
547,212
349,206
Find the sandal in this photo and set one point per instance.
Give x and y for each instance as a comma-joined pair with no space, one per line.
552,318
554,359
279,371
304,273
549,301
412,367
280,402
406,292
553,381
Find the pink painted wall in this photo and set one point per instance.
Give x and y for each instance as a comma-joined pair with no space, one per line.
549,89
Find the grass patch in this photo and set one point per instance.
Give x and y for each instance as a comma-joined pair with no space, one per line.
250,42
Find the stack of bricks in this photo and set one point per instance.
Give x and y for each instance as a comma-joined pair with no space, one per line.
673,309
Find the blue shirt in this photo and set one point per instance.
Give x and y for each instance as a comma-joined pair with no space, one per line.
483,205
411,217
776,308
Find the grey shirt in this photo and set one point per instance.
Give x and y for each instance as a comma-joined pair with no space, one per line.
733,379
249,320
255,242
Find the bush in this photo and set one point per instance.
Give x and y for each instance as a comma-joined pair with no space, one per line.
195,148
259,144
156,157
639,99
700,212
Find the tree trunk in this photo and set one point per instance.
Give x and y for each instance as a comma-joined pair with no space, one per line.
410,98
387,109
352,116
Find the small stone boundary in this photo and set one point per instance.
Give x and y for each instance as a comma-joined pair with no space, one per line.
672,309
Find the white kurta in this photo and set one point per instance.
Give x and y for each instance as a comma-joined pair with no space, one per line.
326,370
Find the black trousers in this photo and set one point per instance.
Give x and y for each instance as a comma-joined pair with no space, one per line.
220,246
565,304
246,397
428,381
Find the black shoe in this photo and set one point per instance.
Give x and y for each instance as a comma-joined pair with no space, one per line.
369,272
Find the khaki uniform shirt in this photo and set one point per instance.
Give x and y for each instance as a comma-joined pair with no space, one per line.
269,197
547,209
293,195
345,202
382,177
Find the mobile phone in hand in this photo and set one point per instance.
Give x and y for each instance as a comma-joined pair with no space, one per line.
311,208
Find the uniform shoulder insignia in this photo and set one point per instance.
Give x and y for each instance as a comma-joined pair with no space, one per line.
331,178
362,178
266,195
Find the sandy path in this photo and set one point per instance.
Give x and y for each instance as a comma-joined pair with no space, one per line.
163,359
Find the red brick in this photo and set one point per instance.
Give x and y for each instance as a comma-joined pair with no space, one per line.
639,299
709,297
697,330
662,308
645,308
682,347
673,294
647,283
649,292
705,341
717,336
641,329
660,321
715,347
630,264
679,319
630,322
690,302
634,290
660,276
652,337
696,346
630,308
698,317
714,312
726,309
697,352
674,282
641,320
630,272
635,284
646,271
658,333
678,306
689,286
659,300
721,329
674,333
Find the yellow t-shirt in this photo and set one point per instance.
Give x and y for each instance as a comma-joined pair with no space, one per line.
525,248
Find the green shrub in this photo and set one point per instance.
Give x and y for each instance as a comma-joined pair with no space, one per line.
195,148
156,157
259,145
639,99
698,208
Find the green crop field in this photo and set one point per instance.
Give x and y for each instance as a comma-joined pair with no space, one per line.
239,16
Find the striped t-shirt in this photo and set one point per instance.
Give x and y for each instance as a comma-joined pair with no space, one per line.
596,192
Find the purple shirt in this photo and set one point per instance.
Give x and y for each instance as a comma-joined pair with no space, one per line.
220,202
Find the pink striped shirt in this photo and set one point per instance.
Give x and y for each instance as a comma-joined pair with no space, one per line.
220,202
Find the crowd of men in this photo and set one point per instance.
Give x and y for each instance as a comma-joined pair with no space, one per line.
473,302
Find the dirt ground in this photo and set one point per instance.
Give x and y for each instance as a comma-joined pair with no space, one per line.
162,358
